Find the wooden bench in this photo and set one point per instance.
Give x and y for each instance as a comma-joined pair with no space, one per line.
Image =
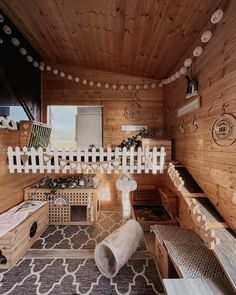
27,222
170,233
197,286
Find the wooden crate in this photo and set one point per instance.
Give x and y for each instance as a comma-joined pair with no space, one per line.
64,214
169,201
146,194
15,243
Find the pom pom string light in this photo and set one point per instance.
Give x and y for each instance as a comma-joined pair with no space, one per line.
205,38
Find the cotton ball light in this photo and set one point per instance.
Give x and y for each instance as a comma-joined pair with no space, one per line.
62,74
122,87
77,79
48,68
129,87
1,41
106,85
206,36
217,16
153,85
172,78
35,64
1,18
41,67
137,87
183,70
29,58
99,84
177,74
145,86
114,86
6,30
91,83
55,71
160,84
23,51
197,51
15,41
84,81
188,62
69,77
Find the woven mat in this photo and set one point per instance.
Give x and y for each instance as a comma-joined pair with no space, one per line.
82,237
79,276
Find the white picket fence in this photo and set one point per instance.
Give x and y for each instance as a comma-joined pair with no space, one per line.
31,160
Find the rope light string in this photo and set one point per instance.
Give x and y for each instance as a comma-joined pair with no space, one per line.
205,38
216,17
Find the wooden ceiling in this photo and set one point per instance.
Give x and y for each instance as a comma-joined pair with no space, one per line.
139,37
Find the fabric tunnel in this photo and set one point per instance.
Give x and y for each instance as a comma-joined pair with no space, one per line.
114,251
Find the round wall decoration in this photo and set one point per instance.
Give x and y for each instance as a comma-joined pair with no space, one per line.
224,130
132,112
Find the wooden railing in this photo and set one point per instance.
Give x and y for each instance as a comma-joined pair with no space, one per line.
31,160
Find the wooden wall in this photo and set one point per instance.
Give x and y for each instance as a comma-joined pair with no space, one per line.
213,167
147,106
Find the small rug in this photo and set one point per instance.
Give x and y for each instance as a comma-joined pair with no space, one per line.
82,237
79,276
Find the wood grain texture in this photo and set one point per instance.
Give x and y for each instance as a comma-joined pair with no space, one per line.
147,105
214,168
197,286
125,36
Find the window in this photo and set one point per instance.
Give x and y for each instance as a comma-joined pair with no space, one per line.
16,112
75,126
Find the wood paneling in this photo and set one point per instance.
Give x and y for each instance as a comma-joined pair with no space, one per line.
213,167
145,37
147,105
11,185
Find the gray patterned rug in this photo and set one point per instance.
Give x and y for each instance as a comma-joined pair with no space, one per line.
82,237
79,276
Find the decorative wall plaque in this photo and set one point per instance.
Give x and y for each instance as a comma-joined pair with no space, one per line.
224,130
129,128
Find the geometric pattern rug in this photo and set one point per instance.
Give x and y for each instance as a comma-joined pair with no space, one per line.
82,237
79,276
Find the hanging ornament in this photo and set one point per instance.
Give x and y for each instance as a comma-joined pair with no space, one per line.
48,68
91,83
69,77
206,36
217,16
55,71
62,74
23,51
35,64
6,30
1,18
77,79
15,41
29,58
106,85
114,86
99,84
153,85
197,51
183,70
84,81
188,62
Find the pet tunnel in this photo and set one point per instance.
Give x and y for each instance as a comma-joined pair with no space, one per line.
115,250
